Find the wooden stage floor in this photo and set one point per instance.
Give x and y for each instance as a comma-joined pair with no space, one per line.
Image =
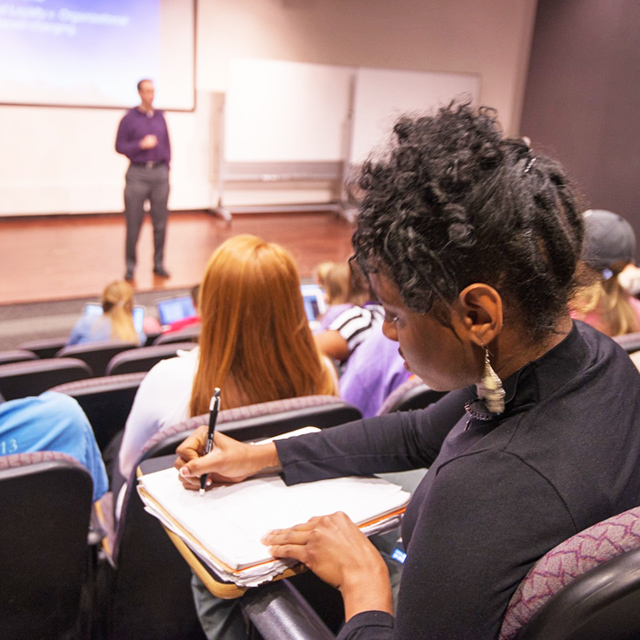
65,257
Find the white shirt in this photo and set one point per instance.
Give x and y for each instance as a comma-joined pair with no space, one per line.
161,401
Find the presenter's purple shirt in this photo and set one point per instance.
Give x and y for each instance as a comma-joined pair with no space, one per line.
136,125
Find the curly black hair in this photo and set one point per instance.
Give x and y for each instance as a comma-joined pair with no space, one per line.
455,202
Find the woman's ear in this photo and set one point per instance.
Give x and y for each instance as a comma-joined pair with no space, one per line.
480,310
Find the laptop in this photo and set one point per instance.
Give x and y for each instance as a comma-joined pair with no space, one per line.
95,309
176,308
314,302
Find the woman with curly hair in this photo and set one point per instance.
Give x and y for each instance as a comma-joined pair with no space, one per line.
471,242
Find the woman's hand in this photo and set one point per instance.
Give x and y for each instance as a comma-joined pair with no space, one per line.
228,461
340,554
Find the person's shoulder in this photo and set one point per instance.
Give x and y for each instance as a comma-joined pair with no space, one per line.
129,114
183,361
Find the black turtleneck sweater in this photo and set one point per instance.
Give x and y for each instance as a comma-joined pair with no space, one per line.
564,455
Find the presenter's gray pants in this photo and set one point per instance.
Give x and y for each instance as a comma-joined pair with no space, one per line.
146,183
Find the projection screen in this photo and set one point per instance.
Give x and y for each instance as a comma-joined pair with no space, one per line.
92,53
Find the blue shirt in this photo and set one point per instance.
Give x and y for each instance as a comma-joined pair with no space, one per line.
91,328
52,422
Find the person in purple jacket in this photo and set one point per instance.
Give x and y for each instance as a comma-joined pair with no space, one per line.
143,137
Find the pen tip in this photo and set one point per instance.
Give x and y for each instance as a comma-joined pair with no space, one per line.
201,492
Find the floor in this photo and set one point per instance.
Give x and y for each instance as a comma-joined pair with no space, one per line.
76,256
52,266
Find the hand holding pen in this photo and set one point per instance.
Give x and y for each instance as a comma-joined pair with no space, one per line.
214,408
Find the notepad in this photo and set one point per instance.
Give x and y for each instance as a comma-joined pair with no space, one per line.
224,527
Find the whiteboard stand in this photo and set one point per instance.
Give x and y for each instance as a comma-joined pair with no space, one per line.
220,209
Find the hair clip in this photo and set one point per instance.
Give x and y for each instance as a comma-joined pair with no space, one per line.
607,273
529,164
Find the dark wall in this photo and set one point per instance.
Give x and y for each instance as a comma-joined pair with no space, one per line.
582,97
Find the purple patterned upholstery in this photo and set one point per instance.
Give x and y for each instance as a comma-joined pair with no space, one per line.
23,459
240,413
103,383
567,561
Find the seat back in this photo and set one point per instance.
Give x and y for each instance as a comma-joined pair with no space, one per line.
258,421
630,342
106,401
412,394
151,594
32,377
96,354
144,358
586,580
16,355
46,500
44,347
188,334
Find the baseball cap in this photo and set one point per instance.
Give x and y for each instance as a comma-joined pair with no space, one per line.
608,239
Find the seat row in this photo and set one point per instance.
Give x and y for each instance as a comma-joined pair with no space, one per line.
138,586
33,375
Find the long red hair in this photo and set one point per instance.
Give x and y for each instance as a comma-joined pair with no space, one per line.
255,342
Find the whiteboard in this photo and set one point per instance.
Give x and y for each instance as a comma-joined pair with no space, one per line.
381,95
280,111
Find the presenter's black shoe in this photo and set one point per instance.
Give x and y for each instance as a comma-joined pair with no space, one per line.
129,275
162,272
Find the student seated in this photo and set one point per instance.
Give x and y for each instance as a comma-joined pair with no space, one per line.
115,322
471,242
373,371
52,422
348,319
255,345
609,249
189,321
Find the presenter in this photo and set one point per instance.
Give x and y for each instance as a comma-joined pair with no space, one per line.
143,137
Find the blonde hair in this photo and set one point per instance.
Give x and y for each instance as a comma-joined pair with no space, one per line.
343,286
321,271
117,303
610,300
255,342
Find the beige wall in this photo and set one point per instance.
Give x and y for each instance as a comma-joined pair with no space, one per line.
62,160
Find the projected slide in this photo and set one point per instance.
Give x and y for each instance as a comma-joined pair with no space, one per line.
91,52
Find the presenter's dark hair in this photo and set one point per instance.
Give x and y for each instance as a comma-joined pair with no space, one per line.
455,202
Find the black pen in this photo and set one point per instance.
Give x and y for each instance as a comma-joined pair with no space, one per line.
214,407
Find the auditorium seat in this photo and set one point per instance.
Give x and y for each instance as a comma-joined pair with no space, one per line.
16,355
188,334
46,502
96,354
32,377
44,347
630,342
145,590
586,588
412,394
106,401
144,358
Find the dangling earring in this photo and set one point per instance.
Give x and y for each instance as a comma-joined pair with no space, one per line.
490,387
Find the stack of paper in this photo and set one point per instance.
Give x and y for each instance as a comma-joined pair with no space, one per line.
224,527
